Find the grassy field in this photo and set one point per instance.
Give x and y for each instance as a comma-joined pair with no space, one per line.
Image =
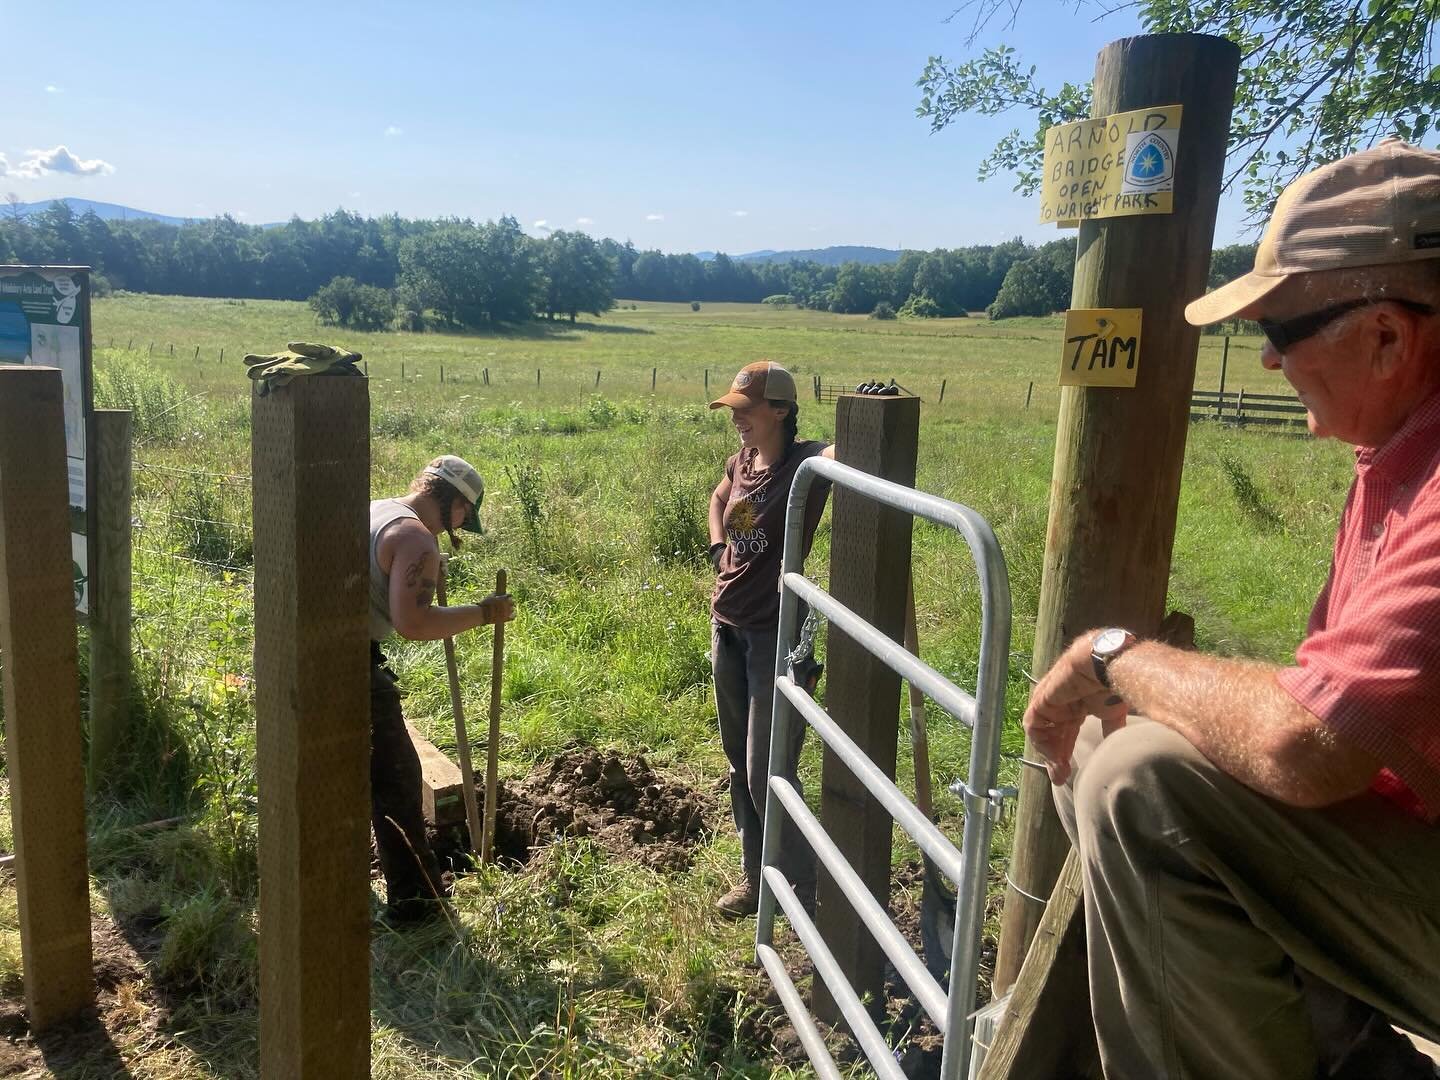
580,965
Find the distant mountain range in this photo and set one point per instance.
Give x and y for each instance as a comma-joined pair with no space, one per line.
103,210
830,256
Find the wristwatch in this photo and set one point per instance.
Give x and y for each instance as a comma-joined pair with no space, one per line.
1109,644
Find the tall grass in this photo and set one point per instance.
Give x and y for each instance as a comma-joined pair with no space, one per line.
581,965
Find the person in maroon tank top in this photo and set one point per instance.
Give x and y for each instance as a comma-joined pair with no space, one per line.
747,536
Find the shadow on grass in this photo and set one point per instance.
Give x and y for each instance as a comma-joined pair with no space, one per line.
539,330
80,1050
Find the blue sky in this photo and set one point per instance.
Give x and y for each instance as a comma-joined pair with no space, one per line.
734,127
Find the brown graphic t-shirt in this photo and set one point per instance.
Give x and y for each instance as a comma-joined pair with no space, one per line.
747,589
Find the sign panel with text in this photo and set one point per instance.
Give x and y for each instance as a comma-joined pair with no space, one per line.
1112,166
45,320
1102,347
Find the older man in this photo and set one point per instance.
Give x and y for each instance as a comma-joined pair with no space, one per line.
1260,852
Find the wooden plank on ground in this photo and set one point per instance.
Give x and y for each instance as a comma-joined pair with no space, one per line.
1046,1031
441,792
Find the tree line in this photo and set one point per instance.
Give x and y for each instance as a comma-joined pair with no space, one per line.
376,272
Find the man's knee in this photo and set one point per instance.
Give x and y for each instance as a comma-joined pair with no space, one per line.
1142,781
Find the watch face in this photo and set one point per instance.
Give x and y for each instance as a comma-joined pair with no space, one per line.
1107,641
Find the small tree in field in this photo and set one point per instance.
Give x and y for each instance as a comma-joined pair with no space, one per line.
694,305
883,310
345,302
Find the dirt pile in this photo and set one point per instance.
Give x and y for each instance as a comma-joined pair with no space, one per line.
616,800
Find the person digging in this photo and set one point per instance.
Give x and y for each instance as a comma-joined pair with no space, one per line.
404,570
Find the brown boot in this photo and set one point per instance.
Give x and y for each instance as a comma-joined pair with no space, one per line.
741,901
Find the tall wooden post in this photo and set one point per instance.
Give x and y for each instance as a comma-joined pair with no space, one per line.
110,605
1118,452
310,462
42,697
869,573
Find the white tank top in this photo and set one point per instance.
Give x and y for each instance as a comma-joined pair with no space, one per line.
383,514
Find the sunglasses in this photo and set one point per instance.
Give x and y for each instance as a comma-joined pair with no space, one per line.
1282,335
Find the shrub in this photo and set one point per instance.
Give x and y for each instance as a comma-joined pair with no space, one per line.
920,307
694,305
675,526
100,285
345,302
883,310
161,412
779,300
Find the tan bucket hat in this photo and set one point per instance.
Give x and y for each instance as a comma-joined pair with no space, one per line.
763,380
1375,208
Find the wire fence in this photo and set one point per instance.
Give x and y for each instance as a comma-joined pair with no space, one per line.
192,578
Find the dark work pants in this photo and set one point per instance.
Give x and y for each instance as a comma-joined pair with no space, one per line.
744,665
411,872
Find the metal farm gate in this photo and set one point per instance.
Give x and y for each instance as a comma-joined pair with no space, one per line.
983,713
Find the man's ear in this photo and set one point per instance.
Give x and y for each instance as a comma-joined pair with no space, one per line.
1391,339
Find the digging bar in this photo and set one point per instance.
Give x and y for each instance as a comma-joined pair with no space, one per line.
462,737
492,756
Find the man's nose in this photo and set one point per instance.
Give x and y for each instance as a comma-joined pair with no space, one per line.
1270,357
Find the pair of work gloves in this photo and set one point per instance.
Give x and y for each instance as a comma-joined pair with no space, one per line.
300,358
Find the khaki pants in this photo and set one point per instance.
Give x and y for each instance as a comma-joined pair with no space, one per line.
1208,905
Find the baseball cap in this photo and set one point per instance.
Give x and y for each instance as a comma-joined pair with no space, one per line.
763,380
465,479
1378,207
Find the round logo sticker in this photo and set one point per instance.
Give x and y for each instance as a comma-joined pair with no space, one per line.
743,380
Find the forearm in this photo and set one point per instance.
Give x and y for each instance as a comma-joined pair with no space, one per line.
717,520
1237,715
430,623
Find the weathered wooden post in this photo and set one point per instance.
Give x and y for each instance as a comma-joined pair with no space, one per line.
869,573
42,697
310,461
1224,364
110,606
1118,452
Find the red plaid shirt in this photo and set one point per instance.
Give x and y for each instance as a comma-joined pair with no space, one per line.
1369,666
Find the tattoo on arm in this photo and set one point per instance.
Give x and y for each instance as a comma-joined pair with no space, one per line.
426,594
412,572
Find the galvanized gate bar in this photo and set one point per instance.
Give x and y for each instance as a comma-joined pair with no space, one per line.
861,1026
916,825
891,653
810,1037
984,713
907,964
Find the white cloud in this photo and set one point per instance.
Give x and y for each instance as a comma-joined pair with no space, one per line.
392,131
654,217
542,226
53,89
584,221
4,165
241,215
38,163
355,194
739,213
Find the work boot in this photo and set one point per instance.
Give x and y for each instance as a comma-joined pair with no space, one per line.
740,902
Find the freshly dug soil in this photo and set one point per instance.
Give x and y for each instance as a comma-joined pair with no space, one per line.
616,800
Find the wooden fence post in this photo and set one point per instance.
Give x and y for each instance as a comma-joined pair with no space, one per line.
310,462
1029,390
869,572
42,697
1119,452
1224,364
942,390
110,606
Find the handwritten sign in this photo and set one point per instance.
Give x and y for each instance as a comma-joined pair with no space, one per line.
1102,347
1113,166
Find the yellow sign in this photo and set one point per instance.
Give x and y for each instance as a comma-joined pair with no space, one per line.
1102,347
1113,166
